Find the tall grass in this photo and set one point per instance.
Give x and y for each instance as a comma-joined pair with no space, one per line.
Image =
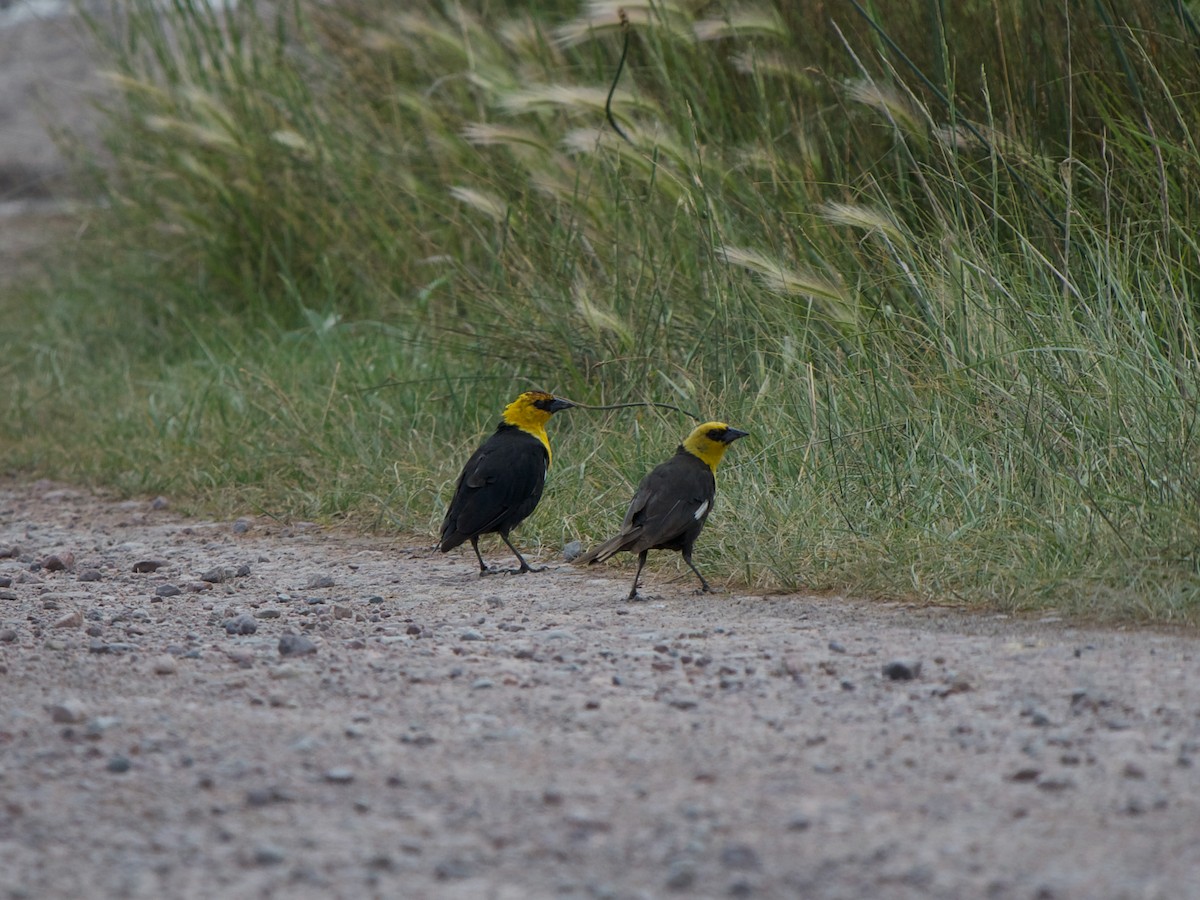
940,262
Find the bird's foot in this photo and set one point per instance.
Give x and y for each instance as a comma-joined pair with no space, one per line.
492,570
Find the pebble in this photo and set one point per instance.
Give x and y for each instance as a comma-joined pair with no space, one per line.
90,575
374,598
115,647
164,665
7,594
470,634
144,566
119,764
837,647
339,775
167,590
681,875
268,855
269,613
572,551
5,581
482,683
296,645
342,612
8,635
159,502
902,670
68,712
219,574
58,563
241,526
69,620
242,624
740,856
9,552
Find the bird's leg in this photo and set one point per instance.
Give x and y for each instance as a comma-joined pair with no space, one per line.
633,594
525,567
483,569
704,588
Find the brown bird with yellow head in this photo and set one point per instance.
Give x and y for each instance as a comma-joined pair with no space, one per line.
672,503
502,482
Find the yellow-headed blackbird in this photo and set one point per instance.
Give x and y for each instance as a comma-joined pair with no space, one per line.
672,502
502,482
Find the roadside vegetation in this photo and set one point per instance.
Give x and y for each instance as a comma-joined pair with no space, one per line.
940,259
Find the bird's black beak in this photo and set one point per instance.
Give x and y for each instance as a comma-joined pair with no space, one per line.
732,434
557,404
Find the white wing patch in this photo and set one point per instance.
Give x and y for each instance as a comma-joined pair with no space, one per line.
700,511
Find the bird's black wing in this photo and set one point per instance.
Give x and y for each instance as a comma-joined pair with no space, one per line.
672,504
668,509
500,485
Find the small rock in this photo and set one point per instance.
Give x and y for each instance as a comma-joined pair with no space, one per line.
164,665
241,526
69,620
159,502
902,670
374,598
681,875
242,624
144,566
68,712
481,684
470,634
119,764
1060,783
413,629
219,574
242,571
267,796
799,822
115,647
1133,770
58,562
342,612
7,552
572,551
167,590
90,575
739,856
319,581
836,647
5,581
7,594
339,776
8,635
268,613
1024,775
296,645
100,725
268,855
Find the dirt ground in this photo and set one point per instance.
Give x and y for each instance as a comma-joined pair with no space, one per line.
392,725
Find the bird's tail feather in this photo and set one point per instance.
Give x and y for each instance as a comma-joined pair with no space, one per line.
602,552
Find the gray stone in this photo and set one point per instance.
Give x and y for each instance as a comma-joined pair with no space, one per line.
902,670
296,645
242,624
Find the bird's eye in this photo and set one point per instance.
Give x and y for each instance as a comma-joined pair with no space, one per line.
715,434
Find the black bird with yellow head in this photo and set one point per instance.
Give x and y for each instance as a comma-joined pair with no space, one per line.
672,503
502,482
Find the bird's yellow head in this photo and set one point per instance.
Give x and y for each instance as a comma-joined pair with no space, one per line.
532,410
710,441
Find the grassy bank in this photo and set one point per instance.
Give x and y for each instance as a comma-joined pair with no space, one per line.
941,263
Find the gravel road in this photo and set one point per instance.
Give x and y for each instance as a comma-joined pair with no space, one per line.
251,709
